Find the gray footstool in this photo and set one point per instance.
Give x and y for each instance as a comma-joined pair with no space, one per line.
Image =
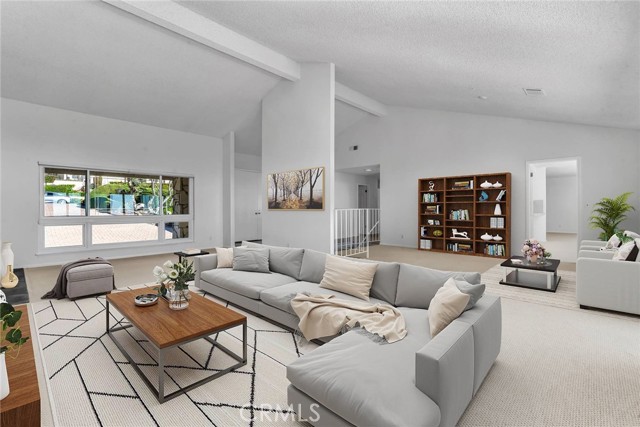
89,280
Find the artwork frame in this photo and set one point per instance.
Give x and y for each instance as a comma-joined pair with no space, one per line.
296,190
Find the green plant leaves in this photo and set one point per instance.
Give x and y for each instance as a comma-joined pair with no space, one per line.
14,335
609,213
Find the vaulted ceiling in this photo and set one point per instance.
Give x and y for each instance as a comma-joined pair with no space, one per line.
444,55
91,57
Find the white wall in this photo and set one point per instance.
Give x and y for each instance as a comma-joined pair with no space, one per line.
34,133
248,162
416,143
347,190
228,191
562,204
298,132
538,189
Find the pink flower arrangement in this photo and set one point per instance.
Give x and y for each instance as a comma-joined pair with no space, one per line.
533,248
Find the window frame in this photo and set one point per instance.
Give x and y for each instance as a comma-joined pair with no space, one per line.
87,220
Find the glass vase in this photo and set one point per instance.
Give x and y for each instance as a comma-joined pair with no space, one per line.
178,299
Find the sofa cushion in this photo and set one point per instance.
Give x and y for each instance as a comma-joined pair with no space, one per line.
348,276
281,296
245,283
287,261
475,292
446,306
251,259
225,257
385,282
343,372
418,285
312,268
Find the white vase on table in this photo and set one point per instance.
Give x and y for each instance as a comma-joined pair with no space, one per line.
4,379
7,257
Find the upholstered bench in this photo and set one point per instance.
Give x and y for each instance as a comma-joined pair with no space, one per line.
89,280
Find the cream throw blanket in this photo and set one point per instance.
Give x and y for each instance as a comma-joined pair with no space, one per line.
325,315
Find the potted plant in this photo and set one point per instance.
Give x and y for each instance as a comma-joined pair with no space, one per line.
609,213
11,340
173,279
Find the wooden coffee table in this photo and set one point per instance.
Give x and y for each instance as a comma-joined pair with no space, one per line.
166,328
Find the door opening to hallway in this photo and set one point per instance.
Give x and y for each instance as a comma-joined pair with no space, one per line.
248,205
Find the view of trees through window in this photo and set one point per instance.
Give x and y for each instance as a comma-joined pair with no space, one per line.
114,196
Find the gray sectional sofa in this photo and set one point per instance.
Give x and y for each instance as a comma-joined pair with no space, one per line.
353,380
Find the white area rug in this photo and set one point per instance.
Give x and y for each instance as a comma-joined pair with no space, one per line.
564,297
92,384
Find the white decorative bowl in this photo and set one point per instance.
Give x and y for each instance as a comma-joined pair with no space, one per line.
497,185
486,237
497,238
486,184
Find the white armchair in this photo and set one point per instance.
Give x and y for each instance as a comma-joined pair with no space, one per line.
604,283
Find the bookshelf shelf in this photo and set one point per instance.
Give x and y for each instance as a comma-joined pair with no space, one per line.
459,197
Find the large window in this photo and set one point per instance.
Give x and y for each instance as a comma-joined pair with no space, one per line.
84,208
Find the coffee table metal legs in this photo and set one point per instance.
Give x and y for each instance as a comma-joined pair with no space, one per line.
159,392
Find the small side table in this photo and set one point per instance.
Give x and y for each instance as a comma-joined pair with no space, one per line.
184,255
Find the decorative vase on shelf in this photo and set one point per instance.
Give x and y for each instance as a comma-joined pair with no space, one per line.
497,210
7,257
4,379
486,237
486,184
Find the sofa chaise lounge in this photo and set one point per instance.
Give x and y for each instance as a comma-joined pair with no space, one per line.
353,380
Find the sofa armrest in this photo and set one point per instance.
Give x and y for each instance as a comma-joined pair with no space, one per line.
608,255
596,243
203,263
612,285
444,371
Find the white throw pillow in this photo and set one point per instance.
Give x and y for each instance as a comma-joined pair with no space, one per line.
446,306
351,277
623,251
225,257
613,242
632,234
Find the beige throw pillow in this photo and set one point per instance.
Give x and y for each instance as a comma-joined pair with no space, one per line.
446,306
351,277
225,257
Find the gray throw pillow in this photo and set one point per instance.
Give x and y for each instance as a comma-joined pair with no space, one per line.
475,292
251,259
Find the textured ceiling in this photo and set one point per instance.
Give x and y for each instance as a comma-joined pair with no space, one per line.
93,58
443,55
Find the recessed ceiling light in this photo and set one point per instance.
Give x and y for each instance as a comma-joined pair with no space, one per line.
533,91
368,170
484,98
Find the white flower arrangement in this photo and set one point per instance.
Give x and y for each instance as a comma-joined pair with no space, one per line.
180,273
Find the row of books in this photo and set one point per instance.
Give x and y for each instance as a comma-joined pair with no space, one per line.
501,195
494,250
425,244
429,198
459,247
459,215
432,209
496,222
463,185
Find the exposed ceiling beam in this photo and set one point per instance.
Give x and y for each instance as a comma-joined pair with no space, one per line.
185,22
359,100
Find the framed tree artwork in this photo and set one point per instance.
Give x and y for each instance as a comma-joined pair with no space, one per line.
302,189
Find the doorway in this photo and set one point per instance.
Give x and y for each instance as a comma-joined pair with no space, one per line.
248,205
363,196
553,205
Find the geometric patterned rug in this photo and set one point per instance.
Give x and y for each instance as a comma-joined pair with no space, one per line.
91,383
